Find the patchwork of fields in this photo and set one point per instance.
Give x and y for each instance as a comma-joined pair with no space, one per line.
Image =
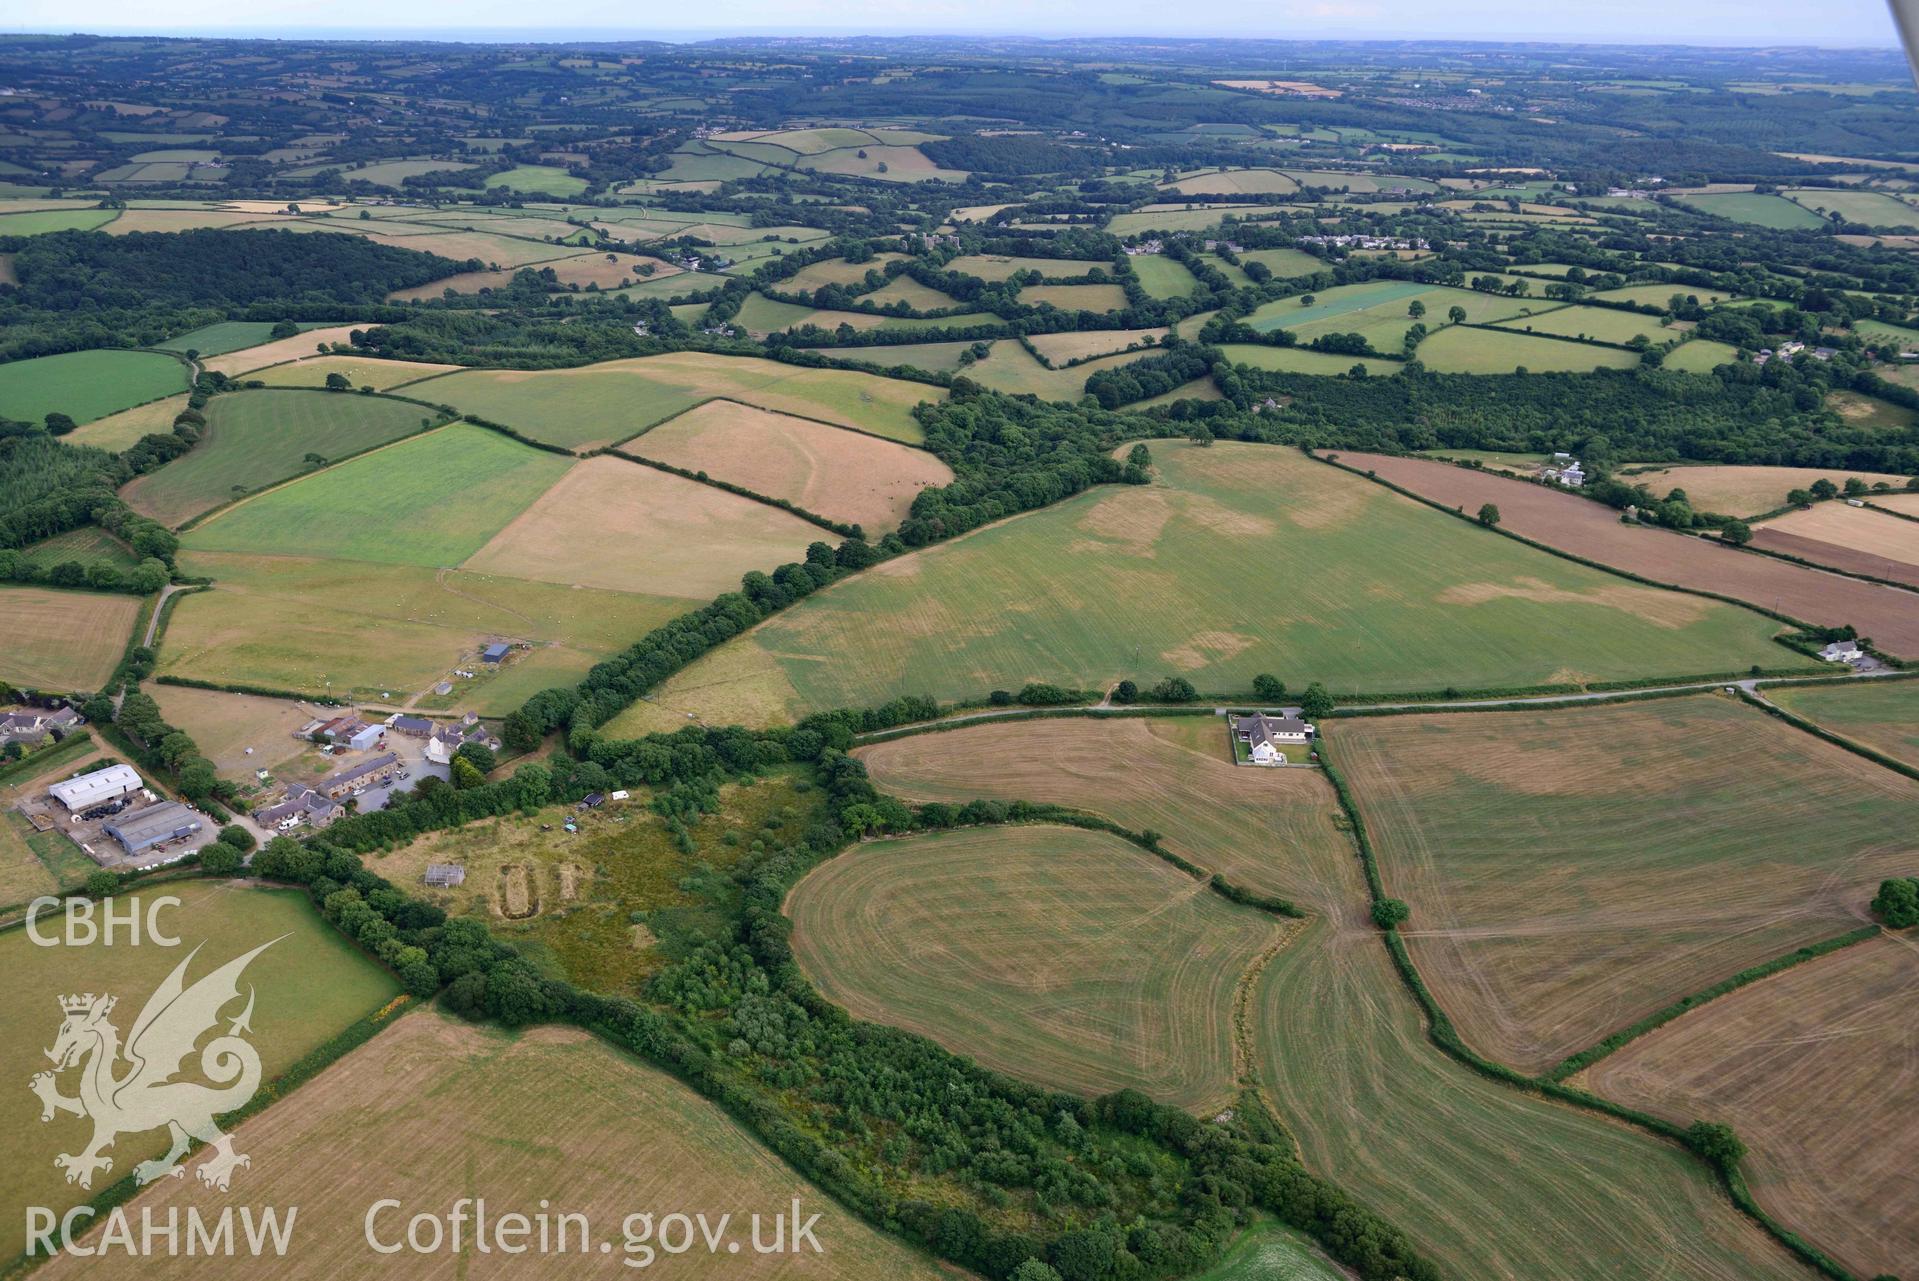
1135,582
1854,539
1465,1165
1554,897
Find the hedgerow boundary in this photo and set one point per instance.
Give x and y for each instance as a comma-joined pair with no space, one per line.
1441,1032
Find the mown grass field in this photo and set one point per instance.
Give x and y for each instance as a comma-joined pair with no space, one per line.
618,525
63,640
434,1109
1285,262
838,474
1870,208
1459,349
1700,356
34,222
258,438
1813,1069
1491,1183
1355,586
1743,490
432,500
1558,893
309,986
1071,958
601,404
1882,716
1269,1252
241,733
298,347
116,432
35,863
547,180
85,385
1060,348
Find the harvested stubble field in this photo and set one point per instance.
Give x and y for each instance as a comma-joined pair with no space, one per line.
116,432
1490,1182
839,474
621,526
1356,586
1882,715
430,500
63,640
603,270
246,359
257,438
1075,297
427,620
1060,348
310,986
1814,1069
85,385
1856,539
1067,957
1589,529
433,1110
1740,490
35,863
1573,870
600,404
361,371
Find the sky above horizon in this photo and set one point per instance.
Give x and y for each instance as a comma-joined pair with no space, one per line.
1844,23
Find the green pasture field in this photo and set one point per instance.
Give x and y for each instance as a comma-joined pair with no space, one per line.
85,385
1302,360
1076,297
1198,218
309,987
228,335
1883,716
1601,323
39,221
1869,411
1164,277
934,357
259,438
427,622
911,292
1458,349
1067,957
1700,356
1354,586
1542,938
1462,1164
390,173
835,271
1869,208
90,545
35,863
1658,295
1761,211
542,179
1884,331
1360,182
1285,262
763,315
1378,310
1200,388
432,501
994,267
1269,1251
903,164
1010,368
601,404
1230,182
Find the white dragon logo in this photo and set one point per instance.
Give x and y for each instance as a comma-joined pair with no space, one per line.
145,1097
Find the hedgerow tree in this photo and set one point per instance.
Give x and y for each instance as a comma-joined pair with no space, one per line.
1315,702
1897,903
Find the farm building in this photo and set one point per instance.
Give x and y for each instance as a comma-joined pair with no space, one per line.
1266,737
367,736
143,829
411,726
97,788
32,725
496,652
366,774
1842,651
445,875
300,805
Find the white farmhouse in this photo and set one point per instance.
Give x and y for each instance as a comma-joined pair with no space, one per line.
1842,651
1266,737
